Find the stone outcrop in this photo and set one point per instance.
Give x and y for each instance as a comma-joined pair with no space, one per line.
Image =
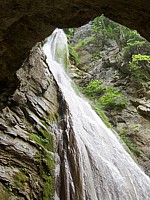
25,23
27,133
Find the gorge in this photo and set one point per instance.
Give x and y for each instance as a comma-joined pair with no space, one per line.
39,126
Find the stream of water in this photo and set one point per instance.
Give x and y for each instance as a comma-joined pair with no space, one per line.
107,170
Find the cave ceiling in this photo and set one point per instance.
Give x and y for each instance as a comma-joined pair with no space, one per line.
25,22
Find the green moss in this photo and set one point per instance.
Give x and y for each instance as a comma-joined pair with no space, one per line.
130,145
48,176
46,164
50,119
44,158
25,171
5,194
45,140
48,189
20,179
102,115
48,141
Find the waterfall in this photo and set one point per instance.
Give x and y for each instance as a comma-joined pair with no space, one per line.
100,169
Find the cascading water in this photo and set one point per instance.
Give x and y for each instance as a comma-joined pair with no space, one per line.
106,170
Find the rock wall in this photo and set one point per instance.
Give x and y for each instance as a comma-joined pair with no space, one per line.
27,133
102,59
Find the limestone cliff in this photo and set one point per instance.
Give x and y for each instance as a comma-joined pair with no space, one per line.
27,133
102,58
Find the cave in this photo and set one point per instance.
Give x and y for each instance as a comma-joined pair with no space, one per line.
25,23
32,105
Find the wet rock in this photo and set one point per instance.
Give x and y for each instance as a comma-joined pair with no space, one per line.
32,104
144,110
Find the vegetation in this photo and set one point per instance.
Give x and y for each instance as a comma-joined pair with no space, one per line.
84,42
105,97
134,53
102,115
102,26
130,145
20,179
137,66
73,54
45,160
45,140
69,32
112,99
94,88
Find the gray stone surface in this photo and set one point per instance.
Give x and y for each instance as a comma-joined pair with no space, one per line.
30,109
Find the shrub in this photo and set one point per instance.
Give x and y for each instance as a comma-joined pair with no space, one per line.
112,99
74,54
94,88
138,72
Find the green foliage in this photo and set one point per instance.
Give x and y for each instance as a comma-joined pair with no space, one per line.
130,145
136,58
104,98
129,40
94,88
69,32
84,42
112,99
73,54
104,27
139,74
102,115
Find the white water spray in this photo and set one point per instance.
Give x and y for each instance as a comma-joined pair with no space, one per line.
108,172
